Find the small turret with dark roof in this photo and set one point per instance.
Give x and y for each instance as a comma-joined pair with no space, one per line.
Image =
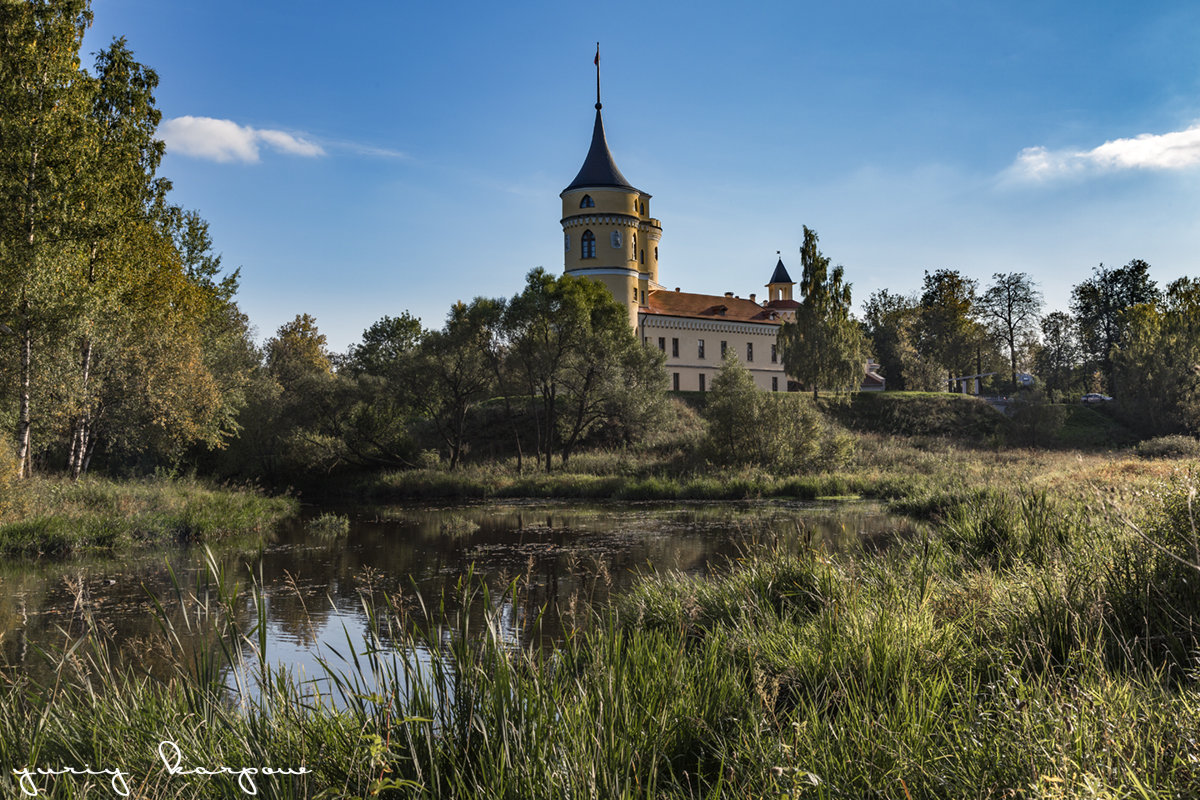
780,275
779,289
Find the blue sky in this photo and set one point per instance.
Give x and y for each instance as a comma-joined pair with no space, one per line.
402,155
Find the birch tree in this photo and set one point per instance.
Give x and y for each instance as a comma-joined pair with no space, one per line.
45,128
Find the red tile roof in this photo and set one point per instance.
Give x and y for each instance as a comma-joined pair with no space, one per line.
783,305
708,306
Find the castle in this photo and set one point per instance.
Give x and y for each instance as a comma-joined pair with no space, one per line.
610,236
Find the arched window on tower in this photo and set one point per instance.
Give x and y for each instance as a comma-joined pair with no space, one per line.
587,245
587,202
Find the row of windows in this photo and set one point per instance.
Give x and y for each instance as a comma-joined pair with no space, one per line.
662,345
588,202
588,245
703,387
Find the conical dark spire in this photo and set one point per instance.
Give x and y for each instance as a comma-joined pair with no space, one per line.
780,275
598,168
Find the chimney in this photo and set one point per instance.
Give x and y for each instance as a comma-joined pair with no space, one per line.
677,288
729,294
752,297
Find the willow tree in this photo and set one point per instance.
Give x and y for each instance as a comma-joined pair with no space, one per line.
822,347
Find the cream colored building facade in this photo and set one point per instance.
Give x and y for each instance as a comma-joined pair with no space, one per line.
609,236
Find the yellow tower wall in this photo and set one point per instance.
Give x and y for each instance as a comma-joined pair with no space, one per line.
615,264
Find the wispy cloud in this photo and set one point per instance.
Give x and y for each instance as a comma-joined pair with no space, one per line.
224,140
1161,151
368,150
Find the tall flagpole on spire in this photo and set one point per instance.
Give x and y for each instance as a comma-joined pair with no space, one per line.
597,76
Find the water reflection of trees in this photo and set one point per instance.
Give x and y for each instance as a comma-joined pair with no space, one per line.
541,565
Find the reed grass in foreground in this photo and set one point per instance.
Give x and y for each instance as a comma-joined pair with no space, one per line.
57,516
1037,649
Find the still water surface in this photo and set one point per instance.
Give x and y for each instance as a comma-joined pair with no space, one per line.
564,555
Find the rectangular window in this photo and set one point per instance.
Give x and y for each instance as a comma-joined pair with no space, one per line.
635,295
643,297
749,351
674,348
702,382
675,380
722,349
700,351
774,384
662,344
774,354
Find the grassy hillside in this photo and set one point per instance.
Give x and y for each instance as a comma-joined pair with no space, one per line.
917,414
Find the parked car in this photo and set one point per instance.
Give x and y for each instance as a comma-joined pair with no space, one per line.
1094,398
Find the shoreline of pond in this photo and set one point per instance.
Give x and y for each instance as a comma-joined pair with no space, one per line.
1005,649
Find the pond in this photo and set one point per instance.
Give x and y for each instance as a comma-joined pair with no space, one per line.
562,556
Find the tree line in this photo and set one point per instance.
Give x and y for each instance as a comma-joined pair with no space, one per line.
124,344
1122,336
532,376
119,329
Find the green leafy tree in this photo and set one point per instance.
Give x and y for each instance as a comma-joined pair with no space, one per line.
298,351
1058,356
949,331
118,193
380,387
456,373
1098,305
155,392
1157,362
569,344
749,426
822,346
385,347
45,135
303,413
892,324
1010,309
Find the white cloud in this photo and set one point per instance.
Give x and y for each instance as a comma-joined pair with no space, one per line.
1166,151
290,144
224,140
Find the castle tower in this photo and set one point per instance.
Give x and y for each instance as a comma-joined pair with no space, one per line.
608,233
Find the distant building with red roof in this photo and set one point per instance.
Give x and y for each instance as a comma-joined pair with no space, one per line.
609,236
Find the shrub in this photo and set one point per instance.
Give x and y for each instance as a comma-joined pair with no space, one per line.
1169,447
749,426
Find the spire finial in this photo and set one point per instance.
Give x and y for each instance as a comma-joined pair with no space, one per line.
598,106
